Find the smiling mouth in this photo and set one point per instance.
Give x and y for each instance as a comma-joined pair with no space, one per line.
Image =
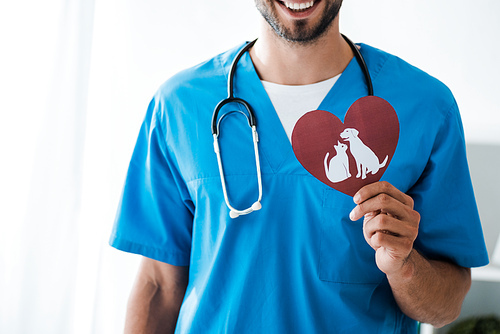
298,7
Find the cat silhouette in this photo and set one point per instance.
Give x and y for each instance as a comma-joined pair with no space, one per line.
338,168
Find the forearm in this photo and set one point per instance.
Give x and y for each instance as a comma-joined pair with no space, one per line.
156,298
147,312
430,291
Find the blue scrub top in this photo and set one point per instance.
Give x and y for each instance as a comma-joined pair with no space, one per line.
299,265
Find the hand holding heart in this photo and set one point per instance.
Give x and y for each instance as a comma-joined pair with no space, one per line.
390,224
364,144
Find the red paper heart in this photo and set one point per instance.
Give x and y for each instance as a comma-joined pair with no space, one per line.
347,156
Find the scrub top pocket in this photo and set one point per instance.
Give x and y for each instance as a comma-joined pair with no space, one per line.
345,257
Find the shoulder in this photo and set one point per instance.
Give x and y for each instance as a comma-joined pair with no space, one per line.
191,90
188,98
395,77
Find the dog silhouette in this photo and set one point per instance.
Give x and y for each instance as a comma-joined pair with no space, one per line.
366,160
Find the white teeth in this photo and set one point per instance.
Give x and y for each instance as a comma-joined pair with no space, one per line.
299,6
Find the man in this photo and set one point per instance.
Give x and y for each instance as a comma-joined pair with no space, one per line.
305,262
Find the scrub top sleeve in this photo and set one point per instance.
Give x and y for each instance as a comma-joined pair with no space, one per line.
450,228
154,216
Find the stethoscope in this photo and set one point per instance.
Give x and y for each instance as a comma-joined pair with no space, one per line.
250,116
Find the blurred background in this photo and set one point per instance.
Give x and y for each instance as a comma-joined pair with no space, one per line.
76,77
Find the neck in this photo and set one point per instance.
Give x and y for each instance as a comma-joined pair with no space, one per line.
287,63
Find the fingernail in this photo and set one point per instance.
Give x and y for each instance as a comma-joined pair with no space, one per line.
351,215
356,198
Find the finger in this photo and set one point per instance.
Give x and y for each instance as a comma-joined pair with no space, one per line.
397,247
389,225
394,253
383,203
383,187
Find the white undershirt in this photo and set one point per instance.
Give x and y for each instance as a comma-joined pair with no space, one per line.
291,102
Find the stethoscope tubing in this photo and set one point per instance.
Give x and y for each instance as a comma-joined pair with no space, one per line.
230,92
252,122
362,64
215,123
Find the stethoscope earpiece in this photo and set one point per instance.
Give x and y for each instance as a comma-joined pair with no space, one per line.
256,206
